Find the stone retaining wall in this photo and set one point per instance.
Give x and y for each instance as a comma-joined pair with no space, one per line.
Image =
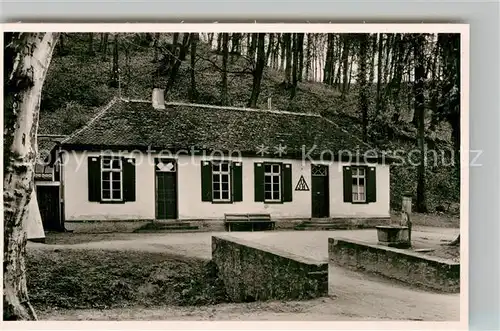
407,266
254,272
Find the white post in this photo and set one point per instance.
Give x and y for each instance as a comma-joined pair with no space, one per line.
406,215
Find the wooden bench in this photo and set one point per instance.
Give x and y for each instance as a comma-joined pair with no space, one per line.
230,219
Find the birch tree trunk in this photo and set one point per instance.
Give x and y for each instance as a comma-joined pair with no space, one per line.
27,59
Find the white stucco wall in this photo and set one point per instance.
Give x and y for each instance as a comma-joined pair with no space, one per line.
339,208
78,207
190,206
193,207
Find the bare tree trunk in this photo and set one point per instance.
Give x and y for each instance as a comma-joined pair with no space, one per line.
379,75
388,56
235,46
252,48
328,60
193,93
155,47
219,42
61,49
91,44
283,51
225,55
300,53
257,73
338,79
288,68
105,46
181,56
345,64
269,49
210,39
350,75
418,49
363,86
115,72
372,64
27,58
308,56
127,67
276,51
295,65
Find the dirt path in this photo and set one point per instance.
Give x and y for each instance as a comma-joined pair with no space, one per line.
312,244
354,296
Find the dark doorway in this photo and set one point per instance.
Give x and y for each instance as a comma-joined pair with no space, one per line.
48,203
166,189
319,191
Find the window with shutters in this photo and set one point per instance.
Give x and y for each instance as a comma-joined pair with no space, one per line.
272,182
358,184
111,179
221,181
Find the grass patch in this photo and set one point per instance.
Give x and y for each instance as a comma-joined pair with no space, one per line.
83,279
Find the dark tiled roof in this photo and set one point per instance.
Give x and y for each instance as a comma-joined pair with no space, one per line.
46,144
185,126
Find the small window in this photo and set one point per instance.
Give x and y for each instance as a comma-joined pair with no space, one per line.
272,182
221,181
111,179
358,184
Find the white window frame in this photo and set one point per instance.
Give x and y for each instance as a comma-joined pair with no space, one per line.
110,170
220,173
273,176
356,176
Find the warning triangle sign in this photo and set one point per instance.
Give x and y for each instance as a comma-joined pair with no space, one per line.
302,185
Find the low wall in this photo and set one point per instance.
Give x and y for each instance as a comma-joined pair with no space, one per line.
103,226
407,266
91,226
253,272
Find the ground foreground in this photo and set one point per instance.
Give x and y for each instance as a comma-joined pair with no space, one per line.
353,296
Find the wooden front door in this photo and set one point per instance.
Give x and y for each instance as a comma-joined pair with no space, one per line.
166,189
319,191
48,203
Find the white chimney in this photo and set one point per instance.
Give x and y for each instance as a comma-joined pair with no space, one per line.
158,98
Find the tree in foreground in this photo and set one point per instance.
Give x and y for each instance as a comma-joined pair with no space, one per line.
26,59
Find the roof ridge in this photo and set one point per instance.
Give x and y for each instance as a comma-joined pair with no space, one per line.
42,135
201,105
285,112
93,119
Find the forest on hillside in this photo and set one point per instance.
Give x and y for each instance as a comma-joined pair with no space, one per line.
396,91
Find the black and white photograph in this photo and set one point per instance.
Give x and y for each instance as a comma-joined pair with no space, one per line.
237,173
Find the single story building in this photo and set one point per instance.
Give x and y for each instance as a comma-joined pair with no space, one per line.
142,160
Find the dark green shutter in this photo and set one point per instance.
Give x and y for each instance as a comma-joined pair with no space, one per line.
206,181
258,173
287,182
347,174
94,178
371,184
128,179
237,168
